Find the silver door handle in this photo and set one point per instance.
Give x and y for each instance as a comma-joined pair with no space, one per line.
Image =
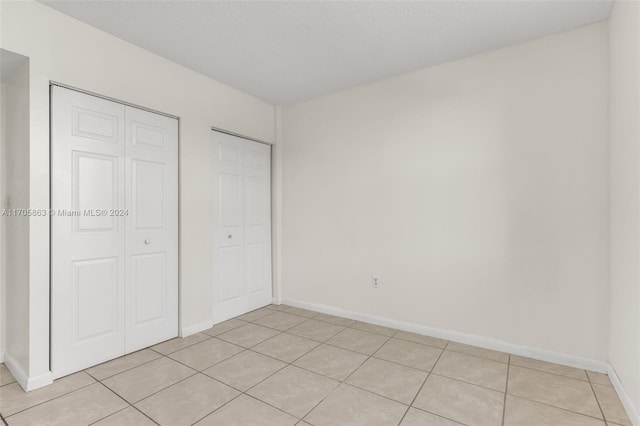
229,236
147,242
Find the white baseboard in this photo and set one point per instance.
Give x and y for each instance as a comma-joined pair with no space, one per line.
277,301
39,381
196,328
454,336
632,412
18,373
27,383
1,357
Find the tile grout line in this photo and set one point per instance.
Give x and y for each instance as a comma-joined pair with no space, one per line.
55,397
506,390
423,383
128,405
344,381
595,395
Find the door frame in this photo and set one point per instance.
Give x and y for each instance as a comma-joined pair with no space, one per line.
272,191
53,83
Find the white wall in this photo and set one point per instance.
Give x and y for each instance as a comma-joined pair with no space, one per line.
476,190
16,146
68,51
624,352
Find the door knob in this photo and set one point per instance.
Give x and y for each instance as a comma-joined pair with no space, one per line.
229,236
147,242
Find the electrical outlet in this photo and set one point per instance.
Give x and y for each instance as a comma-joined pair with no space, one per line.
375,283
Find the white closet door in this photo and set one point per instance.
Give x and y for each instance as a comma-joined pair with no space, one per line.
242,226
114,281
151,176
87,252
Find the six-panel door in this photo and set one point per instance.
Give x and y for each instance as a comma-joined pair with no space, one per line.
242,226
114,230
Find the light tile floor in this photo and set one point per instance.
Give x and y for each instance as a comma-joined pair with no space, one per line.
282,366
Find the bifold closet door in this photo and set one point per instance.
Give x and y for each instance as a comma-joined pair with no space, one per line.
242,226
114,231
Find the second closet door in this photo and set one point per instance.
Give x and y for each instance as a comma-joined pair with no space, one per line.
242,226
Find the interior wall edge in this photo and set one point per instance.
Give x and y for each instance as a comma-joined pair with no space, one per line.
25,381
627,403
196,328
456,336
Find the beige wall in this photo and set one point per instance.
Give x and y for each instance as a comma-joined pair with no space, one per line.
624,352
65,50
476,190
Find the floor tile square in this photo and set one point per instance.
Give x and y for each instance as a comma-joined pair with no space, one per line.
301,312
14,399
256,315
127,417
285,347
5,376
522,412
224,326
248,335
549,367
188,401
205,354
355,407
118,365
140,382
468,404
331,361
422,339
415,417
611,406
599,378
358,341
278,307
344,322
281,321
471,369
80,407
388,379
179,343
479,352
558,391
373,328
245,411
410,354
293,390
245,370
316,330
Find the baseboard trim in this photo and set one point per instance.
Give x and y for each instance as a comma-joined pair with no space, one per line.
1,357
196,328
27,383
454,336
39,381
628,405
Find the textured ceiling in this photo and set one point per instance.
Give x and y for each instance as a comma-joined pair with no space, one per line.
284,52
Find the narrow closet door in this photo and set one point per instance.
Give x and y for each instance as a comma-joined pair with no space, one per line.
151,165
242,226
87,245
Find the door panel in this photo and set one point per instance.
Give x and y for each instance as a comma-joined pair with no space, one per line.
242,226
151,173
149,271
95,299
87,252
114,237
